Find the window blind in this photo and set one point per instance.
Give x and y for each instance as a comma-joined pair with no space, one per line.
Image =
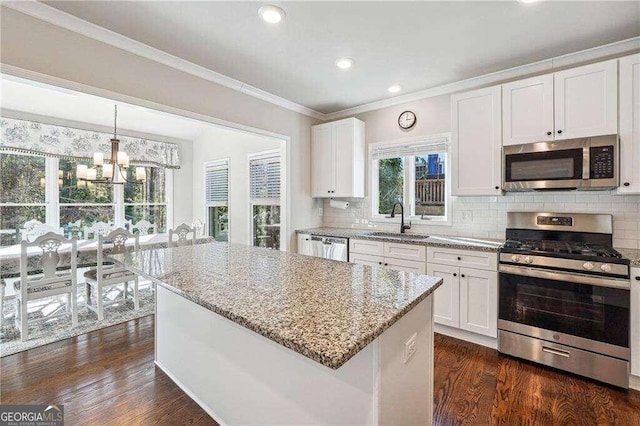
431,146
217,181
265,177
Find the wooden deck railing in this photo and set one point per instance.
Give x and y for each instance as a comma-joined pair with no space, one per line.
430,192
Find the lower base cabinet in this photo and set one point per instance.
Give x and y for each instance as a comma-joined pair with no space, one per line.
467,299
635,322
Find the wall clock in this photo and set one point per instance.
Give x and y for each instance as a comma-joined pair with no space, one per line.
407,120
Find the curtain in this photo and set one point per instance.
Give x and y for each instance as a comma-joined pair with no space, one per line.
66,142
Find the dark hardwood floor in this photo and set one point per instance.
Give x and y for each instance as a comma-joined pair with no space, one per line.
107,377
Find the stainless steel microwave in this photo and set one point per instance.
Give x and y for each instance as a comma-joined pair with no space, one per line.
585,163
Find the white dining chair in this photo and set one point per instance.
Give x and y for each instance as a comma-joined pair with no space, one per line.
181,234
37,230
108,275
50,282
144,227
97,229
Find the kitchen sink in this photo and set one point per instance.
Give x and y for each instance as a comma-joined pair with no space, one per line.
397,235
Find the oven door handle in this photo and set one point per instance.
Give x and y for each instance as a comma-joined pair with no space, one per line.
566,276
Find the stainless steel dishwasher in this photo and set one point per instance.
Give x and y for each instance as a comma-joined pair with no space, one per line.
330,247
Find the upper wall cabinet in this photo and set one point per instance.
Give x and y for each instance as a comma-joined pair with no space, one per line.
337,159
476,142
575,103
630,125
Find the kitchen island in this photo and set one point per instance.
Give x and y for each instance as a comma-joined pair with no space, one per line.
258,336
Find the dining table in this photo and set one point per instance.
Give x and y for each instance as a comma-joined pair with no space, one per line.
87,253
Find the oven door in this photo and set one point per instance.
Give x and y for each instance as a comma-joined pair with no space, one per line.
541,166
556,306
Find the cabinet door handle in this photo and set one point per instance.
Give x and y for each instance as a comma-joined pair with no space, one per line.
638,278
497,187
627,184
462,275
386,264
559,131
548,133
455,275
379,263
459,258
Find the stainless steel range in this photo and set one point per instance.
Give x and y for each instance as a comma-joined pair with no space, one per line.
564,295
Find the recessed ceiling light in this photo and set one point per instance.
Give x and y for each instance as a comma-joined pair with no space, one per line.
395,88
272,14
344,63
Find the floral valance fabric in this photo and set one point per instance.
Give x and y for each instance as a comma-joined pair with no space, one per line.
67,142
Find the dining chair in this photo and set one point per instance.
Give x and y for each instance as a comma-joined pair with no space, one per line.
37,230
97,229
182,236
50,282
108,275
198,226
144,227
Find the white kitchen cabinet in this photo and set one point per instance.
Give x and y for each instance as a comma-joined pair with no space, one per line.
586,101
574,103
476,142
527,110
479,301
446,299
468,298
304,244
401,257
337,159
635,321
630,125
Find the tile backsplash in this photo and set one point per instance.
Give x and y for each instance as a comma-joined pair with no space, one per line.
485,217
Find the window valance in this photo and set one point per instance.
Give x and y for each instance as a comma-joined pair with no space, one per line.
423,147
66,142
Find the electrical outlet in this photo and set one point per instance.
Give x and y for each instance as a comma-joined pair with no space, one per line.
467,215
320,211
410,347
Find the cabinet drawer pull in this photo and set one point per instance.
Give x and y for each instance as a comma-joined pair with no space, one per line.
379,263
556,352
559,131
386,264
455,275
462,275
459,258
638,278
627,184
548,133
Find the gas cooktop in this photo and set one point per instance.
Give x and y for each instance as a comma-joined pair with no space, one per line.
564,249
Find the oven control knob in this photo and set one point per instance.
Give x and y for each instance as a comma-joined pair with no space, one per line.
588,266
528,259
515,258
605,267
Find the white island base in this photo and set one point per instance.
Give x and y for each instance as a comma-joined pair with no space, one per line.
241,377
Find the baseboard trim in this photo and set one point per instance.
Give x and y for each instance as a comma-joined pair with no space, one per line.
634,382
186,390
468,336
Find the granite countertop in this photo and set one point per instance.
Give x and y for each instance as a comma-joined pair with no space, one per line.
323,309
485,244
632,254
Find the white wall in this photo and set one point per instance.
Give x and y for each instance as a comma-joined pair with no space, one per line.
236,146
37,46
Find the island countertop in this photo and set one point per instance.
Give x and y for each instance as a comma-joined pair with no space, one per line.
323,309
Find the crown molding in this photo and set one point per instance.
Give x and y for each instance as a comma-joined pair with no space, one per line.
547,65
69,22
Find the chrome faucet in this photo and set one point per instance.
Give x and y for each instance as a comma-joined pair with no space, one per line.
403,227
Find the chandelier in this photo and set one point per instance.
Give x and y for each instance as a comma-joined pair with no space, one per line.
115,171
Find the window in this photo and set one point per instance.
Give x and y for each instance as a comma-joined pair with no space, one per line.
217,198
42,188
264,199
82,203
414,174
146,201
22,194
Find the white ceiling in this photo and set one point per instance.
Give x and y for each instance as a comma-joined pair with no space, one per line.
24,96
419,45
